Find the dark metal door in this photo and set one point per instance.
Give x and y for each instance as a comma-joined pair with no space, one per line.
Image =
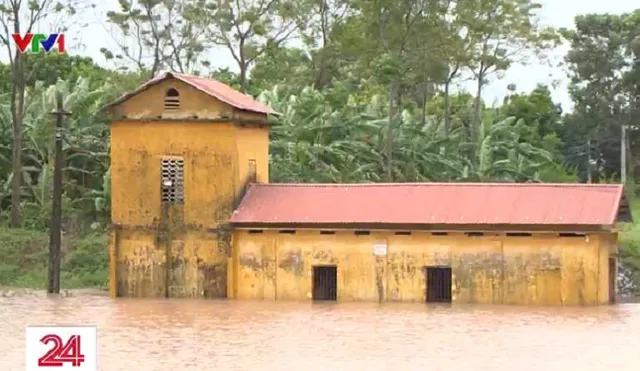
613,271
325,283
438,284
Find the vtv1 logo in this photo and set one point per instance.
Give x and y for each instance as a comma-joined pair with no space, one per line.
39,40
62,348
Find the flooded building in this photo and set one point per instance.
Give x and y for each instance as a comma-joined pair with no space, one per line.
194,215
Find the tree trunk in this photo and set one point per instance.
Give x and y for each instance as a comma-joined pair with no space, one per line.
477,118
447,102
477,115
17,109
243,77
424,102
623,154
393,93
630,180
630,171
447,109
322,62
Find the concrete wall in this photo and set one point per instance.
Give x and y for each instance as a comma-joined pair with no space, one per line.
543,269
181,250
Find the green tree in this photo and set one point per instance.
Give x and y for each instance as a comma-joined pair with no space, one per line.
85,148
320,36
392,25
247,28
155,34
48,68
538,110
20,17
601,66
503,32
454,51
287,67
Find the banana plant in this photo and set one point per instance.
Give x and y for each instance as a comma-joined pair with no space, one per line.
316,142
102,197
85,145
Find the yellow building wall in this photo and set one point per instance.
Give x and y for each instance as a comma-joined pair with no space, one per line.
543,269
179,250
149,103
609,250
253,144
210,168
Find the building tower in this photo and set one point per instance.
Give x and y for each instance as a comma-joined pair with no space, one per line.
183,149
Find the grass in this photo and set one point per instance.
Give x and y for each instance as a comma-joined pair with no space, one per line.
24,258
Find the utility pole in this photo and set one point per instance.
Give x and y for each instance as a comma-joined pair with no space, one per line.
623,154
55,227
589,160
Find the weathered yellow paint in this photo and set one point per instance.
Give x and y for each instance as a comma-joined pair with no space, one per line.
137,150
543,269
253,144
179,250
609,250
149,103
188,250
140,267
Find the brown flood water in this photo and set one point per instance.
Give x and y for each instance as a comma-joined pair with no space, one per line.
237,335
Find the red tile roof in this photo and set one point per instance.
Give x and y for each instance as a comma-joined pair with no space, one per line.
208,86
430,204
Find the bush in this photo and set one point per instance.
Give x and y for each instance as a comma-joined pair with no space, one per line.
25,254
86,264
24,258
630,244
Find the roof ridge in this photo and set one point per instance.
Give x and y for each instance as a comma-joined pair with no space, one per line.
194,76
207,85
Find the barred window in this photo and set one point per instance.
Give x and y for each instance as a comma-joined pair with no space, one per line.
172,100
173,180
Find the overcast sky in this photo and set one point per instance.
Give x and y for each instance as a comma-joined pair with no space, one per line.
558,13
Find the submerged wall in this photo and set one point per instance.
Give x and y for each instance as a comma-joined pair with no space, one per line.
496,269
189,264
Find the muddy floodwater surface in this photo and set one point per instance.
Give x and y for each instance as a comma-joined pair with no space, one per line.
240,335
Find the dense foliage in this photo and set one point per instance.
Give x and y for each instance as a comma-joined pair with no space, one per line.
367,91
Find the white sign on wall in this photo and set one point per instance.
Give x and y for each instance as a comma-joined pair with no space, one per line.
380,249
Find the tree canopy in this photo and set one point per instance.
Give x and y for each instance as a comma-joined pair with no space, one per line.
368,92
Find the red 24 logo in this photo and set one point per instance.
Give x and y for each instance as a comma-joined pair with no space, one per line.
61,352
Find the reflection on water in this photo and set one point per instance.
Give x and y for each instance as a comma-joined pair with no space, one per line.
238,335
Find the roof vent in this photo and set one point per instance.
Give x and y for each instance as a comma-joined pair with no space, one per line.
172,100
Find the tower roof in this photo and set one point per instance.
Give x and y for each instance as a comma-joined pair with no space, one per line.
211,87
